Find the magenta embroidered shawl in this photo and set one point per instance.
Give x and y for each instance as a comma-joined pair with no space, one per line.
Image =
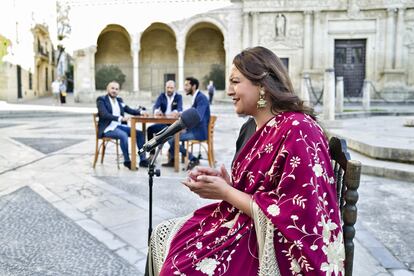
286,168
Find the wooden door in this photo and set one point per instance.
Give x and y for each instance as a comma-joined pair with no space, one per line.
350,64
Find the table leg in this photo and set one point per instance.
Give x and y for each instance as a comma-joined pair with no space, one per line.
133,145
144,131
177,151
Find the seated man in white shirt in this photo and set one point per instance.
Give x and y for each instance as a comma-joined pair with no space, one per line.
112,122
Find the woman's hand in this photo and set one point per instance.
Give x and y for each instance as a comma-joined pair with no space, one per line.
216,184
209,183
222,172
211,187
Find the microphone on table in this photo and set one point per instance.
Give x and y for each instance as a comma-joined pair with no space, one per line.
188,119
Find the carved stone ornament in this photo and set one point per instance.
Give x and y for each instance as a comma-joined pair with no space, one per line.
353,9
280,25
409,35
290,38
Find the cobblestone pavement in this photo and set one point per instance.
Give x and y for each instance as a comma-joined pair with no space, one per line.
46,159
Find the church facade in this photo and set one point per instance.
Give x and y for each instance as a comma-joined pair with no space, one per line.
144,43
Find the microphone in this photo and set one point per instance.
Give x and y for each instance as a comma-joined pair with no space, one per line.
188,119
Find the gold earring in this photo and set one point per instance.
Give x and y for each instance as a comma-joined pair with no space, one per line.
261,103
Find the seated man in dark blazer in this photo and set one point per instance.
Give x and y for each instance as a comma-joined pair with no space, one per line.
199,132
168,103
112,123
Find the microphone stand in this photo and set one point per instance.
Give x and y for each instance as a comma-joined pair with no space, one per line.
151,172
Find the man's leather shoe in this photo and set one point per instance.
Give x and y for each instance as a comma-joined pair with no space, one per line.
169,164
144,163
192,164
128,164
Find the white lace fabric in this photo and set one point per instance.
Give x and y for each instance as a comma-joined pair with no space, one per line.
265,238
160,242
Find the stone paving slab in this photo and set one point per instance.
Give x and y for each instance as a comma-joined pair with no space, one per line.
39,240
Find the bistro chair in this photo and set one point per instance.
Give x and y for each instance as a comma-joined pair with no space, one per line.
102,142
207,145
347,176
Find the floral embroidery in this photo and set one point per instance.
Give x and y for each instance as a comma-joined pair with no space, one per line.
295,123
294,266
268,148
272,123
273,210
295,161
336,256
207,266
318,170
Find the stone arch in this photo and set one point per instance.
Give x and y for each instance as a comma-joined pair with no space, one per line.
158,57
114,49
205,53
205,19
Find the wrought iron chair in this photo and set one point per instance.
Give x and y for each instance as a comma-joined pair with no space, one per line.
207,145
101,142
347,176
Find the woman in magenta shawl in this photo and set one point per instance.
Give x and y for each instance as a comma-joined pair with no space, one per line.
278,213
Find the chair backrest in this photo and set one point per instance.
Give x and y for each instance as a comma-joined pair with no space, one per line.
211,124
347,176
95,123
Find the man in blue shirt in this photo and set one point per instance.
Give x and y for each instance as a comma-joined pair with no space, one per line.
199,132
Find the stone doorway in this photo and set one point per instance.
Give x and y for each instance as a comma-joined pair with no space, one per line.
349,63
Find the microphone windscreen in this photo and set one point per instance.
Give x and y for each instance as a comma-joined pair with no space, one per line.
190,118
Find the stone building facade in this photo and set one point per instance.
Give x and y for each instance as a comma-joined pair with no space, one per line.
361,40
27,62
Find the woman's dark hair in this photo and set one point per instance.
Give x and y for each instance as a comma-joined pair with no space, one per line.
262,67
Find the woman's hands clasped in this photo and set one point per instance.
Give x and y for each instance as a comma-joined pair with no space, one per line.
209,183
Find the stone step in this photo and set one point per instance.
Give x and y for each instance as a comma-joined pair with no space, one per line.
381,152
387,169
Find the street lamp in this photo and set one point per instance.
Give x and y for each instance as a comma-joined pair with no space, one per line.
63,31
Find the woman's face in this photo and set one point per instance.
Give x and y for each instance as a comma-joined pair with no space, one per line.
244,93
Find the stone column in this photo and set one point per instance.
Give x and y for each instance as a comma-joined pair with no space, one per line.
399,39
329,95
246,29
389,42
228,60
255,31
366,95
304,90
180,50
317,48
339,99
410,60
135,61
84,74
307,41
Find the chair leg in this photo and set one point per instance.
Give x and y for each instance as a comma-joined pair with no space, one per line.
183,157
96,154
117,153
187,153
211,159
103,152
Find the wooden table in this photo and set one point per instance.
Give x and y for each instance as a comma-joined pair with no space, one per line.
156,120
